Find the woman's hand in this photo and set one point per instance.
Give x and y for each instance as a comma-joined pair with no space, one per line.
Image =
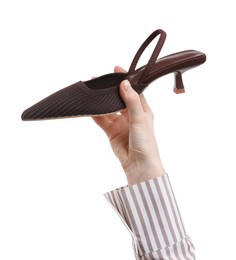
131,136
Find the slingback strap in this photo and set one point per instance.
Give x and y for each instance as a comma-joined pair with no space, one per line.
154,55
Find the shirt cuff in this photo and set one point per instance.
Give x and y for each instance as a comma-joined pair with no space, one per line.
150,212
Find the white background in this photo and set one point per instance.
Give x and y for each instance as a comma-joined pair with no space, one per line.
53,173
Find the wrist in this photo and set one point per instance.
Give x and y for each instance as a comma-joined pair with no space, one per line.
139,172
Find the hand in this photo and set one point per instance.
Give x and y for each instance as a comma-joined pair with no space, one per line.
131,136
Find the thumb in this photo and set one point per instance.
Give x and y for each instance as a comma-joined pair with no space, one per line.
132,102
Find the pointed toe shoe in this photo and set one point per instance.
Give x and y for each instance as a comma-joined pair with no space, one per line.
101,96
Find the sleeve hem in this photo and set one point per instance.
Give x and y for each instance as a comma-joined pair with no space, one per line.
150,212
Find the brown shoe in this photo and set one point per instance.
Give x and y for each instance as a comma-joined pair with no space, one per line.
101,96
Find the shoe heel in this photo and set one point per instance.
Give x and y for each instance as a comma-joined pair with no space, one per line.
179,86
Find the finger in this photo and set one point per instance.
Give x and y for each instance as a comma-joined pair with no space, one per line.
132,101
124,112
144,103
119,69
102,121
111,117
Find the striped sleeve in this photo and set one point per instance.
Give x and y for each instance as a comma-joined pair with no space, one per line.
150,213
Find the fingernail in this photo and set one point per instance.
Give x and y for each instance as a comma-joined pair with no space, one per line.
126,85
